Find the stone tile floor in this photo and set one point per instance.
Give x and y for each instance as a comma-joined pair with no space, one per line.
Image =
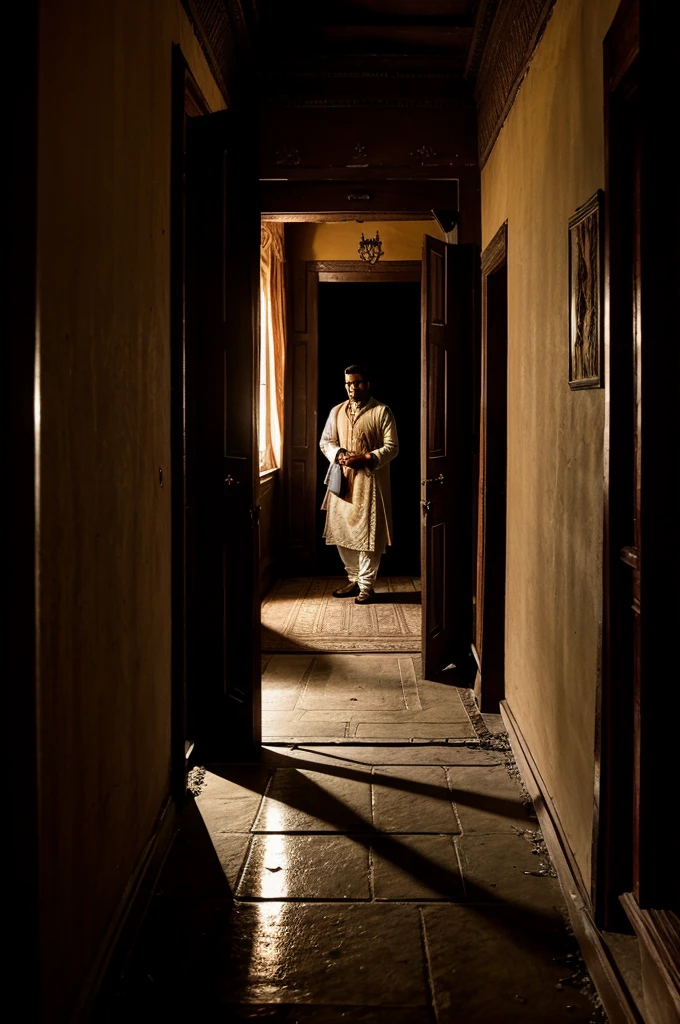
349,697
404,884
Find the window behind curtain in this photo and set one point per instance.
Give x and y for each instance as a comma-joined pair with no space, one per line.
263,397
272,347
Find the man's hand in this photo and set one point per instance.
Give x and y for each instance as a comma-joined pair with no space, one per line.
355,459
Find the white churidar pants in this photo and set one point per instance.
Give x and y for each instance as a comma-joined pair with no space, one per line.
361,566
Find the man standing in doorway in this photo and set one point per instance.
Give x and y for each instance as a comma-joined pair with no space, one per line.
361,436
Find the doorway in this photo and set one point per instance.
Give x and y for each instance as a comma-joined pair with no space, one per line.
376,325
344,311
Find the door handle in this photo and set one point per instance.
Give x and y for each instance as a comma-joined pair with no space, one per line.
426,507
630,556
434,480
229,480
255,515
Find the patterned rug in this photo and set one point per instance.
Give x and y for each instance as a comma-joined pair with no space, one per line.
302,615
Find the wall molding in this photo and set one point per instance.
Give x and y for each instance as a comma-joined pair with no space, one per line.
496,252
612,989
120,936
347,271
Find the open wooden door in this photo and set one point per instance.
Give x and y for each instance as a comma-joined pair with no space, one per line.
447,315
223,236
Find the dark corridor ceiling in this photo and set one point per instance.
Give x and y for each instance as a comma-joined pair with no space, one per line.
387,77
431,55
338,34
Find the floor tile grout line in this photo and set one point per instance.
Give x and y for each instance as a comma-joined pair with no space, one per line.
429,981
417,902
303,685
459,861
334,741
370,832
361,835
365,901
242,867
265,793
327,741
451,794
251,833
304,748
371,880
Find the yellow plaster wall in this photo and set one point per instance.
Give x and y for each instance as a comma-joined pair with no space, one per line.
548,159
104,521
401,239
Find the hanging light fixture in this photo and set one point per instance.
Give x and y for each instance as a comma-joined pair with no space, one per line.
370,249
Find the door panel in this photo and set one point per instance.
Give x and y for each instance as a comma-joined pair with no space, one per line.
223,672
448,296
301,428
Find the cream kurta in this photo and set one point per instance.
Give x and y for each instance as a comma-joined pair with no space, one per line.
362,520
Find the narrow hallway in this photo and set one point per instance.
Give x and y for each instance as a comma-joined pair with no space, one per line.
403,883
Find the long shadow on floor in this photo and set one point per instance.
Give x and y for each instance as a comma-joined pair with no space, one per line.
310,798
197,947
190,915
480,801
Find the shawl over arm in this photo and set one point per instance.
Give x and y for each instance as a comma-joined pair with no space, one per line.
329,443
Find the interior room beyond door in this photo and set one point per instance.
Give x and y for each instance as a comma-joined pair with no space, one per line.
377,325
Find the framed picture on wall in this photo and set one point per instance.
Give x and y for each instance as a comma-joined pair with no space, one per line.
586,294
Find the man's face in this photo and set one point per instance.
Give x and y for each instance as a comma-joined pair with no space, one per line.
357,387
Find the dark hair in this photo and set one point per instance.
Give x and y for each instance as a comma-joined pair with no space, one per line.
358,368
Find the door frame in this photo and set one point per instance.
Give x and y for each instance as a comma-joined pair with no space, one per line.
187,101
633,761
449,318
23,344
301,436
489,615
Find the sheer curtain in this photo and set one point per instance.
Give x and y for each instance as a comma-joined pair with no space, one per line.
272,345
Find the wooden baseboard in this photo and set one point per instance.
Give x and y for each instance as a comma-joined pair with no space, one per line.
121,933
612,989
658,933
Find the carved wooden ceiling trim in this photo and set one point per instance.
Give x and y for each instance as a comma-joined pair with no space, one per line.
225,30
513,34
484,16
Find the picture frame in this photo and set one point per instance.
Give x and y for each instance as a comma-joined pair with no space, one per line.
586,294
